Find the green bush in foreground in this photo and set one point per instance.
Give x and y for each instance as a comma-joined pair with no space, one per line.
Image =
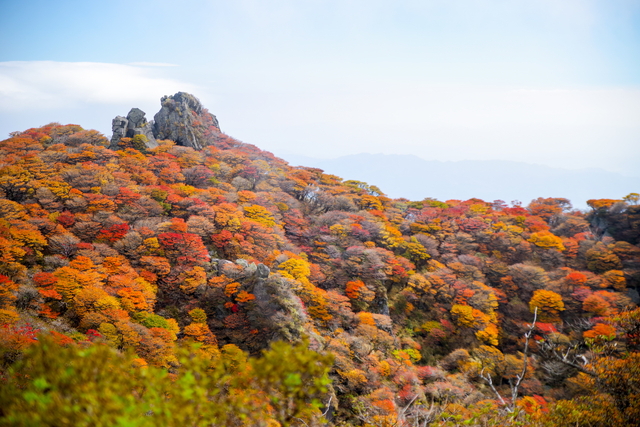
99,386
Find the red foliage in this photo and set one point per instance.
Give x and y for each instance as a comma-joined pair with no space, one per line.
184,248
113,233
66,219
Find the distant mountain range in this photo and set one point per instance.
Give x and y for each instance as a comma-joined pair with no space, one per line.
414,178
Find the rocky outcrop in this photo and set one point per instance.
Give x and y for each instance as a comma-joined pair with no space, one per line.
134,124
119,128
183,119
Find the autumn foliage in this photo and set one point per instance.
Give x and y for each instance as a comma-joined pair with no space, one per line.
168,263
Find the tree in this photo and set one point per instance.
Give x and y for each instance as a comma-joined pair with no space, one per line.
548,303
184,248
549,209
612,377
547,240
514,383
64,244
601,259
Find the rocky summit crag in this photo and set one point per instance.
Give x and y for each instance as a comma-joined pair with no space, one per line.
182,119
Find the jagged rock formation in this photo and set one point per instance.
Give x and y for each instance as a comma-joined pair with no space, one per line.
182,119
134,124
119,129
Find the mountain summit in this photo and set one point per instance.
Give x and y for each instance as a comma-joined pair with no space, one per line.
182,119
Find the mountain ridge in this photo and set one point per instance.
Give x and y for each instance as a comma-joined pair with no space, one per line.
408,176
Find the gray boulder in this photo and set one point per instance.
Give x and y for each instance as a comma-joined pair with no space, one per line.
119,129
134,124
262,271
183,119
139,126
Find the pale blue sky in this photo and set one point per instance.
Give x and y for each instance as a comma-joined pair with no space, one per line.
544,81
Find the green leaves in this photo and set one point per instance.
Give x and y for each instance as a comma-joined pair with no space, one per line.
99,386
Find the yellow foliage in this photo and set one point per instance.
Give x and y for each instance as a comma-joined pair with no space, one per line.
296,269
489,334
109,331
67,284
415,251
548,303
546,240
499,226
420,283
151,244
355,377
338,230
198,315
59,189
8,316
130,337
391,237
184,190
193,278
173,325
468,316
615,279
489,358
107,303
478,208
384,369
260,215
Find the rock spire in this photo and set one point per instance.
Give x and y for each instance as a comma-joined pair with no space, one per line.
182,119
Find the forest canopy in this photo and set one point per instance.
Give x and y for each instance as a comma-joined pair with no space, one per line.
222,286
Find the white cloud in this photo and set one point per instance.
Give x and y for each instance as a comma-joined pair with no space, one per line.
38,85
153,64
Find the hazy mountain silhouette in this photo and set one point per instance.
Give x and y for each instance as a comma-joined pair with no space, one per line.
414,178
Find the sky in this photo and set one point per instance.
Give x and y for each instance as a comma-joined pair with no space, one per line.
549,82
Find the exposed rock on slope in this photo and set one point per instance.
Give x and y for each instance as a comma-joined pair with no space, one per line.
134,124
182,119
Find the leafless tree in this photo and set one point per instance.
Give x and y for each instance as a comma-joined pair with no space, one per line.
515,382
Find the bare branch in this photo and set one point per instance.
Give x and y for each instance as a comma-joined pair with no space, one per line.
328,406
489,381
519,378
402,412
569,356
514,385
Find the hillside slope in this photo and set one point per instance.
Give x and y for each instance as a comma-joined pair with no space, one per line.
426,307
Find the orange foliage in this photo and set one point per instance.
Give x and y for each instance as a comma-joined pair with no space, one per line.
608,332
366,318
576,278
356,289
244,296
